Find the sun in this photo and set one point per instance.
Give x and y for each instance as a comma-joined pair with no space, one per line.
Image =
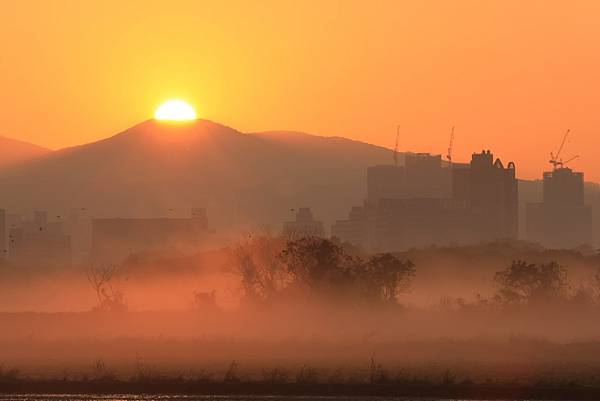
175,110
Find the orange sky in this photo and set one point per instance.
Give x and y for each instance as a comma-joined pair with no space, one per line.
512,76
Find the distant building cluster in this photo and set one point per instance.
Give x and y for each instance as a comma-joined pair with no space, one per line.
428,202
424,202
34,242
63,241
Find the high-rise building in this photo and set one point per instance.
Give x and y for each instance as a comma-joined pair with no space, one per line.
354,229
424,203
563,186
397,224
562,220
422,176
384,182
490,194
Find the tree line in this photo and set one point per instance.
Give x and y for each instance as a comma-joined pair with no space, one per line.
274,268
271,267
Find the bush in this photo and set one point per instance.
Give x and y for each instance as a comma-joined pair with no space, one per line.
525,283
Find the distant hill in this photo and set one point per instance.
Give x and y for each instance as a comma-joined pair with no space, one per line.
241,178
165,169
14,152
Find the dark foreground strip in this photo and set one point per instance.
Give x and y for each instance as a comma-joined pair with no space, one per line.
465,391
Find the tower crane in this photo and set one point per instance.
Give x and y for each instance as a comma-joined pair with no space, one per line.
450,146
555,158
570,160
396,147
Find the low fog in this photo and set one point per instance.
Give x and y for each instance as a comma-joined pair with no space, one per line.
501,309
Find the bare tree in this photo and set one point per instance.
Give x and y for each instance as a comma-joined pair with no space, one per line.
108,298
255,257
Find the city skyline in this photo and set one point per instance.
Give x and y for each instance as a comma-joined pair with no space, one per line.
510,76
569,163
291,200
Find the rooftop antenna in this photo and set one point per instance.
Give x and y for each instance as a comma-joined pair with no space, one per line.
555,158
396,147
450,146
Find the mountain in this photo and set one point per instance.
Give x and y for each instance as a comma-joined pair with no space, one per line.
14,152
159,169
155,166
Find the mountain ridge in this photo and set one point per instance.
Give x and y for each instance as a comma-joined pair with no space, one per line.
243,179
153,167
14,151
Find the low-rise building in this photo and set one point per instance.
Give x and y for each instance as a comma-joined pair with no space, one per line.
39,242
304,225
114,239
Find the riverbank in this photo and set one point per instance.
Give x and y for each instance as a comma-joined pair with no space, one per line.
481,391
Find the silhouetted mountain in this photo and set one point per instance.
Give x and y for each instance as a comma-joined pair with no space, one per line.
13,152
159,169
156,166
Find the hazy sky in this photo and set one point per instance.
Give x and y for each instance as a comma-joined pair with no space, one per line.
511,76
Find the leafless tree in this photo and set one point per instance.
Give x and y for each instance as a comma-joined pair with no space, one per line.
108,298
255,257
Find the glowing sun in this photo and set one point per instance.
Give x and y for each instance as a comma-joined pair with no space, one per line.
175,110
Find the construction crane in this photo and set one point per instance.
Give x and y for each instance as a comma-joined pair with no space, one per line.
570,160
449,155
555,158
396,147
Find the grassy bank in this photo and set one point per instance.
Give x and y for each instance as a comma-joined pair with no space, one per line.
466,390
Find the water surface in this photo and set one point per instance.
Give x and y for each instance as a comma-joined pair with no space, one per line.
134,397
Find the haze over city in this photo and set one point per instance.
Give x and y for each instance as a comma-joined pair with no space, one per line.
292,199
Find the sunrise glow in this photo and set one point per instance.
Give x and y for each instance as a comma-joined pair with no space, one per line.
175,110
